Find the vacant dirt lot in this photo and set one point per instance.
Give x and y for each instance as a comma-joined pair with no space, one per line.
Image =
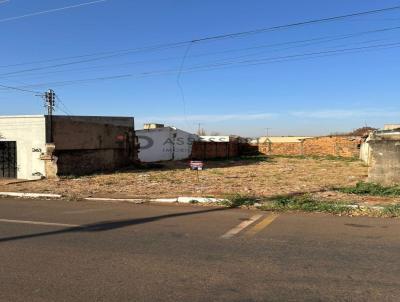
249,177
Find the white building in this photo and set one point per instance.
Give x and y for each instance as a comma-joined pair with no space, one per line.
22,139
164,143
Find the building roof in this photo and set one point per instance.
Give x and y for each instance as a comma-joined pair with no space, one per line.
214,138
391,126
282,139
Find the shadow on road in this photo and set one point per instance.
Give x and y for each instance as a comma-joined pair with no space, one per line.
109,225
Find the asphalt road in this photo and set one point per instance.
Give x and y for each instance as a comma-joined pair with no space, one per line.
93,251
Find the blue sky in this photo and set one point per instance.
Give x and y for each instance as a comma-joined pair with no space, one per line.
304,95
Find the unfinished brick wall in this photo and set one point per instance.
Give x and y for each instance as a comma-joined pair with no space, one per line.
281,148
211,150
343,146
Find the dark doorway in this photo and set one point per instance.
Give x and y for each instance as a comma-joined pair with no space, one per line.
8,159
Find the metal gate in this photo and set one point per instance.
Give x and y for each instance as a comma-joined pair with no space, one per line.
8,159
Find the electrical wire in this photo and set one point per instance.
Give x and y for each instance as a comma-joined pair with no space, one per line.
216,66
18,89
50,11
67,64
302,43
208,38
178,80
66,109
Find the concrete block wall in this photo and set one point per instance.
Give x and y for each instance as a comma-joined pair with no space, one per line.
384,158
81,162
86,145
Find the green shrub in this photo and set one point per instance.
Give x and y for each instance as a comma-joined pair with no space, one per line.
392,210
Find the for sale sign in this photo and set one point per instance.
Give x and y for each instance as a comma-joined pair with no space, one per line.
196,165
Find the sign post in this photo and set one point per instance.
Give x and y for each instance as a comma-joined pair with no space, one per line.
196,165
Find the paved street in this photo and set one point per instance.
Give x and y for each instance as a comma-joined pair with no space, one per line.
95,251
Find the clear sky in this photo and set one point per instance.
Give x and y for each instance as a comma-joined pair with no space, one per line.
295,81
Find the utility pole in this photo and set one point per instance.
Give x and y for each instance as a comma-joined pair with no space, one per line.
268,131
50,102
200,131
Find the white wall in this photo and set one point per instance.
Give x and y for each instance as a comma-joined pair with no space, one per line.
183,144
167,144
365,152
30,133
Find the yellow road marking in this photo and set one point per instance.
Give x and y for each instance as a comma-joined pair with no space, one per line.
240,227
261,225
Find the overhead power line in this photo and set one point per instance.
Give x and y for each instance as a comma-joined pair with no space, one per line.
307,22
66,109
109,54
50,11
75,62
217,37
18,89
224,65
297,43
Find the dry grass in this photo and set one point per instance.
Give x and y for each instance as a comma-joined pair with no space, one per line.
276,176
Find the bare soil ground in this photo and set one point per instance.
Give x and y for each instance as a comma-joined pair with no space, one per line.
275,176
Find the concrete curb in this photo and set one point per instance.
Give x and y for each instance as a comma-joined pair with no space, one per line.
170,200
132,200
183,199
30,195
363,207
199,199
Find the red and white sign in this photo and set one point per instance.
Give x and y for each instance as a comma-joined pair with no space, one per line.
196,165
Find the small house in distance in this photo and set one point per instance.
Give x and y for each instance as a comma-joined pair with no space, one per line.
37,146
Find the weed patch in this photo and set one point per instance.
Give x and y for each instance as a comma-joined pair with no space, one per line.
304,203
392,210
234,201
363,188
244,158
316,157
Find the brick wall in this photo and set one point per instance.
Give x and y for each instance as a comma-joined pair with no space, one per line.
210,150
343,146
281,148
